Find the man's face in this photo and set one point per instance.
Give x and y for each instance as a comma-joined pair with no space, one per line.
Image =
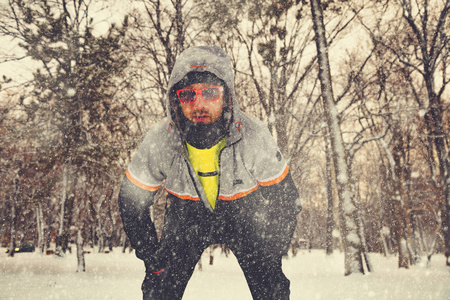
201,110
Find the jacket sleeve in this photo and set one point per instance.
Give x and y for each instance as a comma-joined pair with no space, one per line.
143,178
134,207
284,205
277,187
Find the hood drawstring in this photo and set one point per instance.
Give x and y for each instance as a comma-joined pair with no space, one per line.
235,166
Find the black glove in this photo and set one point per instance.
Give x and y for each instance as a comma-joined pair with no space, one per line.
152,265
156,262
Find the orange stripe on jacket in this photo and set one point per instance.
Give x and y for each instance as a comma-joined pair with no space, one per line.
221,197
141,185
276,180
184,197
238,195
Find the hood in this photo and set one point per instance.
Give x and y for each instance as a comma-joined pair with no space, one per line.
212,59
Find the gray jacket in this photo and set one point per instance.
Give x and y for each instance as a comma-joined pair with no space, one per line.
250,158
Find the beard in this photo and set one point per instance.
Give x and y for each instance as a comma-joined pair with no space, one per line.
204,136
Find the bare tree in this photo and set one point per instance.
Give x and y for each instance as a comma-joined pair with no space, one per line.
160,31
348,211
70,104
268,41
424,51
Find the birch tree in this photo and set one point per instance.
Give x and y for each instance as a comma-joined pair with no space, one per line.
330,198
347,208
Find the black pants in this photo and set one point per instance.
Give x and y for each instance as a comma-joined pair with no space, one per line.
186,239
265,278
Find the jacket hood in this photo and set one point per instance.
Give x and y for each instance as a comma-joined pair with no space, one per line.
202,59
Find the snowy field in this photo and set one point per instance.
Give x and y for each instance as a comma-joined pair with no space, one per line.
312,275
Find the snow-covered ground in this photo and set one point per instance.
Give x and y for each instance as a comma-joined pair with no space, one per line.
313,276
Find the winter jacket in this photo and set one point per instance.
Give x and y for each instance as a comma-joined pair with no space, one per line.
252,169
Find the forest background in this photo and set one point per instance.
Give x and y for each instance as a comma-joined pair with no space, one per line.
365,133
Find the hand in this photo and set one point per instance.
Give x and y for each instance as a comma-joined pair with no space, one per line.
152,265
155,262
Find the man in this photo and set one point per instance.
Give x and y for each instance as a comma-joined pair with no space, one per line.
227,183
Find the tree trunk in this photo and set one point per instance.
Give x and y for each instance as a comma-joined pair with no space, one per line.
365,249
359,221
386,250
398,209
123,241
12,240
347,209
211,255
111,228
67,202
99,228
445,175
395,205
411,225
421,239
40,228
418,251
381,227
330,204
431,52
435,115
439,136
80,252
59,250
200,264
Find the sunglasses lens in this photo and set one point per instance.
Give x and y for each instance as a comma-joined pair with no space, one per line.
186,96
211,94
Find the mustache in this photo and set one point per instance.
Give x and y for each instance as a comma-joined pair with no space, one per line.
201,112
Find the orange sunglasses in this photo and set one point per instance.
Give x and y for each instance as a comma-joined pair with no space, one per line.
210,93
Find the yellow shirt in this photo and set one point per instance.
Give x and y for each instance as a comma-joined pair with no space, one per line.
206,164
